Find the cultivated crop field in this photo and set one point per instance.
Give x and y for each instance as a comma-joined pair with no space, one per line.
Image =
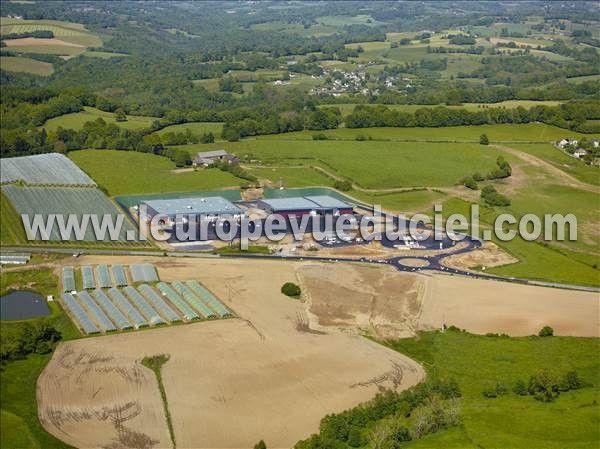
129,172
70,32
267,369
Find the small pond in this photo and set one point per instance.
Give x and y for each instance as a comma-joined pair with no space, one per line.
23,305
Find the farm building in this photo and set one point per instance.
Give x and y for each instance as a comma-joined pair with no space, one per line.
212,208
306,205
210,157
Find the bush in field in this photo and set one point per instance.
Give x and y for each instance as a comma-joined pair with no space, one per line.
484,140
291,289
571,381
520,388
492,198
344,186
471,184
319,136
546,331
544,386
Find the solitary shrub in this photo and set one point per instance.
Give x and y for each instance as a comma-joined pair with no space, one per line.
494,391
546,331
319,136
260,445
344,186
471,184
520,388
483,139
291,289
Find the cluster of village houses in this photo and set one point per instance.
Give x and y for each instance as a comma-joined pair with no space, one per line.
573,147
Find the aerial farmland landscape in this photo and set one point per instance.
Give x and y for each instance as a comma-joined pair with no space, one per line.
299,224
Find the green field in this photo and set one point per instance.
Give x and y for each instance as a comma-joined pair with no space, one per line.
19,426
292,176
531,132
27,65
210,84
511,421
76,120
196,128
54,49
558,158
536,260
102,54
11,231
375,164
348,108
129,172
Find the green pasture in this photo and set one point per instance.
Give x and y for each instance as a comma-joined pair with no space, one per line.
27,65
292,176
102,54
511,421
196,128
581,79
19,424
537,260
210,84
130,172
11,228
401,202
342,21
561,160
348,108
531,132
375,165
76,120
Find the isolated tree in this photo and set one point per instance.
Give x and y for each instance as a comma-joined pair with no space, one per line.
291,289
120,115
546,331
483,139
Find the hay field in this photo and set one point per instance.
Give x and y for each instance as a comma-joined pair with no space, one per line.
228,383
28,65
488,306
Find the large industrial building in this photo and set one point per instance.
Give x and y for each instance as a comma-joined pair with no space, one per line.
306,205
209,208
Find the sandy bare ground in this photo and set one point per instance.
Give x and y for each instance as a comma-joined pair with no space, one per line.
229,383
378,300
40,41
489,255
482,306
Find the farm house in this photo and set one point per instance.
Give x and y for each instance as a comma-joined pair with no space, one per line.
306,205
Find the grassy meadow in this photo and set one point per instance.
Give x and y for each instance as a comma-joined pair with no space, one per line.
347,108
196,128
511,421
129,172
76,120
19,426
531,132
375,164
